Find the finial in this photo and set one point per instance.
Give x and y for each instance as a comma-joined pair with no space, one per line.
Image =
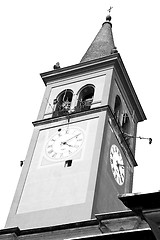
109,10
108,18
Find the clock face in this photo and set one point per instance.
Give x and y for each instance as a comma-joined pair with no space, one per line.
64,143
117,164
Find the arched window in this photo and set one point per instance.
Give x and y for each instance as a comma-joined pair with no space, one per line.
61,105
85,97
125,123
117,108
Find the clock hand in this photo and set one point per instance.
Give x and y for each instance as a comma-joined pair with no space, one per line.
71,138
118,164
65,143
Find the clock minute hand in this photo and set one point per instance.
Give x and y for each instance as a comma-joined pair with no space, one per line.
118,164
65,142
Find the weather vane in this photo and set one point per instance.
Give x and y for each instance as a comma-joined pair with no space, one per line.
109,10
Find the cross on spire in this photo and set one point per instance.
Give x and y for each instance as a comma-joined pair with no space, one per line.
109,10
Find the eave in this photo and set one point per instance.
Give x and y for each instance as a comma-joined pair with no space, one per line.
146,206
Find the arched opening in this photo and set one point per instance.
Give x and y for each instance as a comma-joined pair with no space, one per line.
85,97
61,105
126,128
125,123
117,108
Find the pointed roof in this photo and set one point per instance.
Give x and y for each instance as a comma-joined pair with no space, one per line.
103,44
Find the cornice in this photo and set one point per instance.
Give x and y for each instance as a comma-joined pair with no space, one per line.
80,68
112,121
128,226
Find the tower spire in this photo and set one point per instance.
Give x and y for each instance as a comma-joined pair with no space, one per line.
103,44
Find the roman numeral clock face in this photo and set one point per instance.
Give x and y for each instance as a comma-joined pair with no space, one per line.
117,164
64,143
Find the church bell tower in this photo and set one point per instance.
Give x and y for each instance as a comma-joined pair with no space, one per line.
81,155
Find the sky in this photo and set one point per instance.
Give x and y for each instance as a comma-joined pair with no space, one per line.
35,34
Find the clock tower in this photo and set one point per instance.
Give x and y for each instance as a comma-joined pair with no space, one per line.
81,155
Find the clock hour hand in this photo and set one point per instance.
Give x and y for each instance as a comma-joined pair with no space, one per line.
65,143
118,164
